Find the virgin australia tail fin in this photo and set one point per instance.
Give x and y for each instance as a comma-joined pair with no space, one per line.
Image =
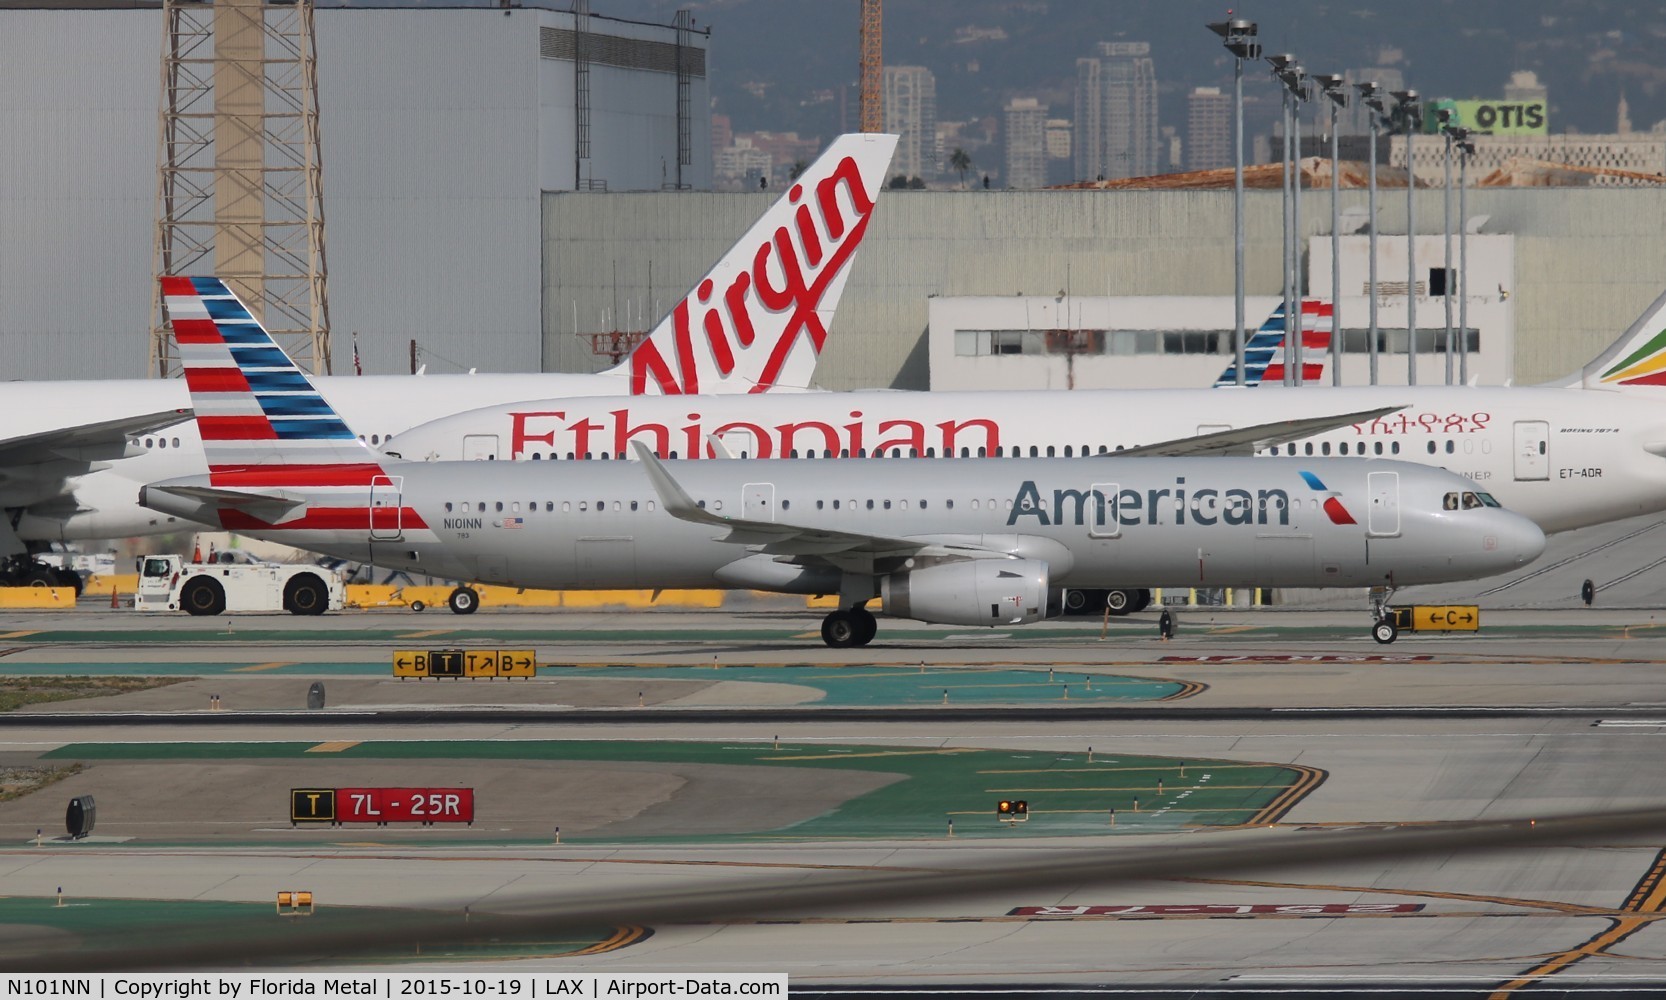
1264,350
1636,360
758,319
262,422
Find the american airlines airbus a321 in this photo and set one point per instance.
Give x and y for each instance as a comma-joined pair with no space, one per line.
956,542
1586,451
73,454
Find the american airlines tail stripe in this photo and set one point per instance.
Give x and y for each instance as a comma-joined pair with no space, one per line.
235,428
215,380
329,519
297,474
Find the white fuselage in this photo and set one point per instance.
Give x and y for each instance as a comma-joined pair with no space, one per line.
1215,522
1566,458
1596,464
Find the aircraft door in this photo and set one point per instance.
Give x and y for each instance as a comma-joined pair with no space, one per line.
1102,522
387,506
1383,517
1532,450
479,447
758,501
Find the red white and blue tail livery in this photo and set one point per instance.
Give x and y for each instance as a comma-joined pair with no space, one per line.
278,453
1264,350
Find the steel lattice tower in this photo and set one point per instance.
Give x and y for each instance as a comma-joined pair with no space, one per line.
238,171
872,67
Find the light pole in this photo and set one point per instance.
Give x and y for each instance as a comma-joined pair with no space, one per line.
1239,39
1372,97
1289,73
1466,149
1335,88
1444,115
1406,110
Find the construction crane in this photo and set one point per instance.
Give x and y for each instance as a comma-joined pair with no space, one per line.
873,67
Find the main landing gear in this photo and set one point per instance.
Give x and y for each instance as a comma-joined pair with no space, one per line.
845,628
1384,628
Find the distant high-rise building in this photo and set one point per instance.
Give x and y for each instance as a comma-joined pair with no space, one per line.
1208,129
1026,134
911,112
1524,85
1116,113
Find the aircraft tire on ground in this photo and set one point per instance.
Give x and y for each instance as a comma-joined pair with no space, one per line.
1123,602
1385,631
464,601
868,625
306,594
1084,602
841,630
203,596
1142,599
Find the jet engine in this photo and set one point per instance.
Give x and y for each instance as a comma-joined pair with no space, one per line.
972,592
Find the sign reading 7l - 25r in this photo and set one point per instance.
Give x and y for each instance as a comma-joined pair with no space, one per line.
464,663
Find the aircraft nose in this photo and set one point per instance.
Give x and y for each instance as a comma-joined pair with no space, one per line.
1519,539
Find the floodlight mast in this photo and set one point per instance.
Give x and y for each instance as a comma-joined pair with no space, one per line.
1336,89
1239,37
1371,96
1289,73
1406,111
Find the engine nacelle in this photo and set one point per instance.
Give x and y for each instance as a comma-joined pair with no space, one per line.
971,592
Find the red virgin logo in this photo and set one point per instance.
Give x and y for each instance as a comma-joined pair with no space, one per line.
769,307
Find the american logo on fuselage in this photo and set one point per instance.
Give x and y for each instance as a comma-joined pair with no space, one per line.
774,302
1131,508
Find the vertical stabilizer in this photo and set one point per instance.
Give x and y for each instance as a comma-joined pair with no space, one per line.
1264,350
1637,359
759,318
262,422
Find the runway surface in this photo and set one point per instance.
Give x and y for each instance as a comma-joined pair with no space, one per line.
651,796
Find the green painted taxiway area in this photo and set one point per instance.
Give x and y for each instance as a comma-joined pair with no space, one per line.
863,685
1068,794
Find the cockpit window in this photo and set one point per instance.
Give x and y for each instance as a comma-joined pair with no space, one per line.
1471,501
1489,500
1450,502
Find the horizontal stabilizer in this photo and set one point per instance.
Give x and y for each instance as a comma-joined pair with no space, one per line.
268,505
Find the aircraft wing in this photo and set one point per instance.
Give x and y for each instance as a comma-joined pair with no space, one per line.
1247,440
797,541
105,439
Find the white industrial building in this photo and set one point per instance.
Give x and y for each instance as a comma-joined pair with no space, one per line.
441,128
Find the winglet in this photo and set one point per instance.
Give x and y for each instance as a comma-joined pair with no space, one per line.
672,496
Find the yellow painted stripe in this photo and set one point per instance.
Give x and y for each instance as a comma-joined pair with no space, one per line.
19,635
334,746
255,667
622,937
1231,629
424,635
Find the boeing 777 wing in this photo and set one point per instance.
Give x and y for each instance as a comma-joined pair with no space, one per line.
1256,437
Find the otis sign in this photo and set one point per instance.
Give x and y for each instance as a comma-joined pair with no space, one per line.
751,315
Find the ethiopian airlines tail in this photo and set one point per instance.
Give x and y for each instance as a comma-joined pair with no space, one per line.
758,319
1636,360
277,451
1264,350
